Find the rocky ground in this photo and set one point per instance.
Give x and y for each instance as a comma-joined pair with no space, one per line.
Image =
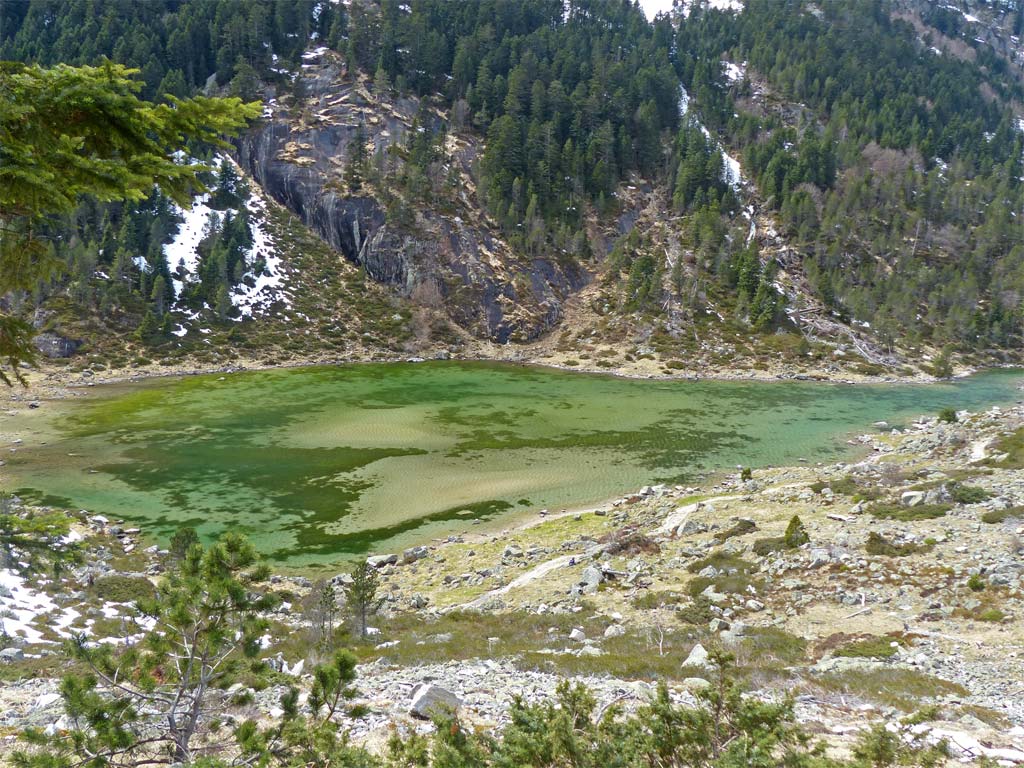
900,595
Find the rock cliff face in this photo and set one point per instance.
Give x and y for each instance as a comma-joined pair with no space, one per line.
446,256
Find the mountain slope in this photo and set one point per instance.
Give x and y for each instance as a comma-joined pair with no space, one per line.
783,186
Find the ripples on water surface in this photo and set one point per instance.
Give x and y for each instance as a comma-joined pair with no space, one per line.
318,463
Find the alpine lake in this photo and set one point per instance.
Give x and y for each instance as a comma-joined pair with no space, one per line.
318,465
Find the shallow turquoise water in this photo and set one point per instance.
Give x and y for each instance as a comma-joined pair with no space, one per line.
319,463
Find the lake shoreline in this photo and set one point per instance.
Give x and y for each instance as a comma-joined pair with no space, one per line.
46,378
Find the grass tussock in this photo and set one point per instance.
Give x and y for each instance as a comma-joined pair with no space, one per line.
904,689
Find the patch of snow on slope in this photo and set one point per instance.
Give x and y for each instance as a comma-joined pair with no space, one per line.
731,170
734,72
316,53
266,288
184,249
731,173
24,606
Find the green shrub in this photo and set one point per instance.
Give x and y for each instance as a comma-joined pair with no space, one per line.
895,511
975,583
123,589
877,544
1002,515
768,545
993,615
746,474
967,494
869,647
722,561
656,599
698,612
948,415
846,486
796,535
739,528
1013,447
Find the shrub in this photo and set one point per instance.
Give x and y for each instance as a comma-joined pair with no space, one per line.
766,546
1013,447
877,544
894,511
123,589
975,583
846,486
746,474
739,528
656,599
1002,515
948,415
967,494
796,535
869,647
993,615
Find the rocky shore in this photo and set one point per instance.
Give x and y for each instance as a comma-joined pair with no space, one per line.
896,596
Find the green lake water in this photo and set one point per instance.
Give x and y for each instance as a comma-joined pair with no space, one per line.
318,464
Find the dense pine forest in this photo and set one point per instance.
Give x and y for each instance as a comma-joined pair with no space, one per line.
883,139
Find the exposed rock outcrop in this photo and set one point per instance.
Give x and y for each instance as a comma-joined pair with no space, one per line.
448,257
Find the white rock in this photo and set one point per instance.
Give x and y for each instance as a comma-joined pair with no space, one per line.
698,658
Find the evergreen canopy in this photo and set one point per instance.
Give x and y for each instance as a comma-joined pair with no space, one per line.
68,132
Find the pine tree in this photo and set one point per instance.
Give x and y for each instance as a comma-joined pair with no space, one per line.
153,697
159,295
355,165
381,81
361,595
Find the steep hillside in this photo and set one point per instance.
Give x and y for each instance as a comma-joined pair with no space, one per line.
434,244
826,188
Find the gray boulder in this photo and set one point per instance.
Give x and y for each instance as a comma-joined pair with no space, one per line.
698,658
912,498
12,654
429,700
379,561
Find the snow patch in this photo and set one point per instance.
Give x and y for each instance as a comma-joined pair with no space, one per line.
267,286
316,53
184,248
731,173
652,8
19,612
734,73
